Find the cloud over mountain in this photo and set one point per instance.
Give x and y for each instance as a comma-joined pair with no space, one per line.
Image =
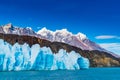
107,37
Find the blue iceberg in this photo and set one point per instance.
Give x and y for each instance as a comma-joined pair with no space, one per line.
23,57
83,63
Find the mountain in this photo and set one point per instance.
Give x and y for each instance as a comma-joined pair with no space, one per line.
23,49
9,29
79,40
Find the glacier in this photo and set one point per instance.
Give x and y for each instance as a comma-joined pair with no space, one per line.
23,57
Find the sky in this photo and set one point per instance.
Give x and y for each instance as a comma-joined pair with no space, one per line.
98,19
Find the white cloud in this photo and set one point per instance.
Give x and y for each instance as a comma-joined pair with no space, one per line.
107,37
113,47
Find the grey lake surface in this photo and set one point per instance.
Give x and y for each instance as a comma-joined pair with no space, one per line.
89,74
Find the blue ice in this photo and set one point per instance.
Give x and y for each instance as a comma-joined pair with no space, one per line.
23,57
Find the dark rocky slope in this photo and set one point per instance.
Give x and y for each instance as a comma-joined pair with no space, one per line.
97,58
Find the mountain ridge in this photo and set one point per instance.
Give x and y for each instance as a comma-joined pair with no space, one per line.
79,40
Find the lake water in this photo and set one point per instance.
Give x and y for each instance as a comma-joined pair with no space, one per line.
90,74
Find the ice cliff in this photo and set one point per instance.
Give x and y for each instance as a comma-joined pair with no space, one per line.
23,57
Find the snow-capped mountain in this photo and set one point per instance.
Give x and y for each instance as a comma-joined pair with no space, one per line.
10,29
79,40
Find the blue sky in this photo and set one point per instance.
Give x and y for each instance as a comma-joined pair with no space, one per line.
98,19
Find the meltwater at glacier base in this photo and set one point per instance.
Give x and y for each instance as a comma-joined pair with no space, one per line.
23,57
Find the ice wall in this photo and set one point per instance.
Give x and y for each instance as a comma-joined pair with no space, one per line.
24,57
